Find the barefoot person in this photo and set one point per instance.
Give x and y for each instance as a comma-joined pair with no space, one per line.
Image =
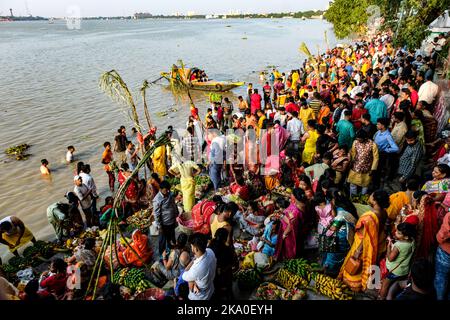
14,234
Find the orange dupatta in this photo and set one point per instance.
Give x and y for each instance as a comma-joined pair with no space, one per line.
366,232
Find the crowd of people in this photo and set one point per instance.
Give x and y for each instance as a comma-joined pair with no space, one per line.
346,158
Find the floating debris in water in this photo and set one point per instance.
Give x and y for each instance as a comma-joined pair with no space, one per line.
244,38
166,113
228,26
18,151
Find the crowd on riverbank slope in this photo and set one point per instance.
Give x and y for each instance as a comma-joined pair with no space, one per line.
345,160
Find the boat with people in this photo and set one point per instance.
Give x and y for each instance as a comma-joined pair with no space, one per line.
196,79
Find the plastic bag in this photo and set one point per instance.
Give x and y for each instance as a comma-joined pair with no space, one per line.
26,274
154,229
261,260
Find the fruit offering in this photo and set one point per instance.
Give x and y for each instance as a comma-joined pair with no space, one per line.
290,281
300,267
270,291
332,288
248,279
133,279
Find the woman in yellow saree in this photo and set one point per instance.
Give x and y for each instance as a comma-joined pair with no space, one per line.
295,77
310,139
159,161
369,235
186,171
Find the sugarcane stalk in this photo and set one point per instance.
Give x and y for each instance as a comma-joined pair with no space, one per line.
108,235
113,221
113,85
162,140
144,87
99,258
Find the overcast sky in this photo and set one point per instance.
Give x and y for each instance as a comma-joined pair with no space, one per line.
59,8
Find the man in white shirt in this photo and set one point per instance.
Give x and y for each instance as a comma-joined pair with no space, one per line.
85,175
200,273
296,129
83,194
281,116
429,90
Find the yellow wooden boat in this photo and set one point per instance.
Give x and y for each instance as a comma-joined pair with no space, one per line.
181,76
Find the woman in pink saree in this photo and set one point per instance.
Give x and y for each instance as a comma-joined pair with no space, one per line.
289,241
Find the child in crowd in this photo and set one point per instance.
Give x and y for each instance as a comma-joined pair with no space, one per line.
69,154
398,256
323,210
44,167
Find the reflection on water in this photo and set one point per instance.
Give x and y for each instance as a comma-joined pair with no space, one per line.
50,97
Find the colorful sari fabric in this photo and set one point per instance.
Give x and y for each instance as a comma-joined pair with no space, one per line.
436,186
140,246
344,223
441,212
287,248
159,161
282,136
366,234
241,191
201,214
427,228
310,146
397,201
131,195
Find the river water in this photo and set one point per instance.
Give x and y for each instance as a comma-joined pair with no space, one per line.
50,99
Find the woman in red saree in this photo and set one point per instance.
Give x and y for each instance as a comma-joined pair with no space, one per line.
202,212
289,239
240,189
427,228
132,194
128,257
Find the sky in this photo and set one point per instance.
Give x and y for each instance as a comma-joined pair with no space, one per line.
61,8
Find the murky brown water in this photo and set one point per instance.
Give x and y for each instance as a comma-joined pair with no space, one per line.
49,95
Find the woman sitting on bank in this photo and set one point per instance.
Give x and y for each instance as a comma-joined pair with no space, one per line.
54,281
369,237
139,245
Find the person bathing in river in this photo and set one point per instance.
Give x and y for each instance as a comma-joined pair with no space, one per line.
44,167
69,154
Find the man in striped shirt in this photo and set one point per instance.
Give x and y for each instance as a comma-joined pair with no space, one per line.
315,103
410,158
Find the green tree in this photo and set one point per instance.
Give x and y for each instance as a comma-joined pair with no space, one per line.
409,19
348,17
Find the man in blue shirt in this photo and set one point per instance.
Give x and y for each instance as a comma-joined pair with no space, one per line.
388,150
376,108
